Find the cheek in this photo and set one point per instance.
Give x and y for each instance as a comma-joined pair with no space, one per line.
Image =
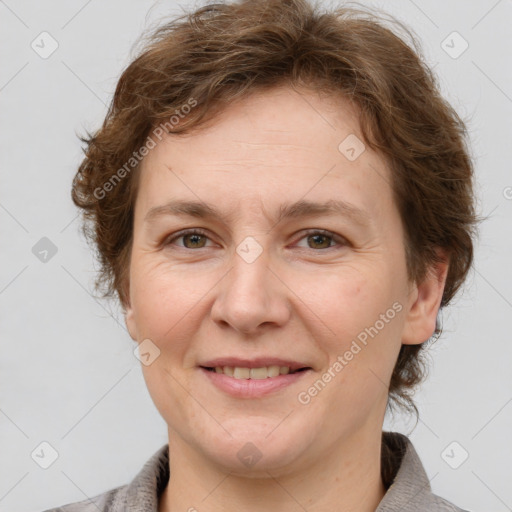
154,297
349,298
167,302
362,310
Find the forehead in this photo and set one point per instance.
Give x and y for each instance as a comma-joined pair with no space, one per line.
272,148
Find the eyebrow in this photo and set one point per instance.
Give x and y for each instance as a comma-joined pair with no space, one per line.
299,209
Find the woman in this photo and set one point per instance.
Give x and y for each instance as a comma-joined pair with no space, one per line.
282,202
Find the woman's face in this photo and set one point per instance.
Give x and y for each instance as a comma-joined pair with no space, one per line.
260,283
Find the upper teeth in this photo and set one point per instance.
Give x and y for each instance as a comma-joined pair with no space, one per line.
253,373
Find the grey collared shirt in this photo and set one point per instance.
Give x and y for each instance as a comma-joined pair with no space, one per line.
409,491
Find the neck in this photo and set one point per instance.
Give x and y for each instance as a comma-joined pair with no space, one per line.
345,478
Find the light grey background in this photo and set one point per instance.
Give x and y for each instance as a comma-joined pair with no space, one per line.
68,375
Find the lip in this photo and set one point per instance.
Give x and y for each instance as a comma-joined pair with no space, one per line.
252,388
258,362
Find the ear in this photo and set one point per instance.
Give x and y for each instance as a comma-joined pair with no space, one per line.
425,300
129,318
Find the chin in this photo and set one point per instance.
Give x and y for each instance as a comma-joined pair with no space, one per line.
259,447
256,461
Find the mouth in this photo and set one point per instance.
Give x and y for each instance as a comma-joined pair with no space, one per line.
260,373
254,380
257,377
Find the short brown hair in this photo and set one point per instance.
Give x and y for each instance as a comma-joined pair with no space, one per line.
223,52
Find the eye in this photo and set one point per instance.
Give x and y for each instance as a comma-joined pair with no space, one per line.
323,238
196,239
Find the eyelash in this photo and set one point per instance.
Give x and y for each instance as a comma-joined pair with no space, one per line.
198,231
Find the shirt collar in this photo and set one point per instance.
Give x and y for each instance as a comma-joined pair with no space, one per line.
410,489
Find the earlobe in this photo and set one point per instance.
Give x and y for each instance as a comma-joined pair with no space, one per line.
130,322
426,299
129,317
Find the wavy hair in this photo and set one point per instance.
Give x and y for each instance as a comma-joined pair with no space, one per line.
221,53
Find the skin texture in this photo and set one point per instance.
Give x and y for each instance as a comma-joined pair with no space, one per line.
305,297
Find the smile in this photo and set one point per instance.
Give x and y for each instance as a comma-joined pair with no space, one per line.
243,382
264,372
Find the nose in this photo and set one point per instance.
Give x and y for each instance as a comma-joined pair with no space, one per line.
251,297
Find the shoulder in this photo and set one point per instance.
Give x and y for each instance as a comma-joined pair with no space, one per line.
140,495
410,489
446,506
101,503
